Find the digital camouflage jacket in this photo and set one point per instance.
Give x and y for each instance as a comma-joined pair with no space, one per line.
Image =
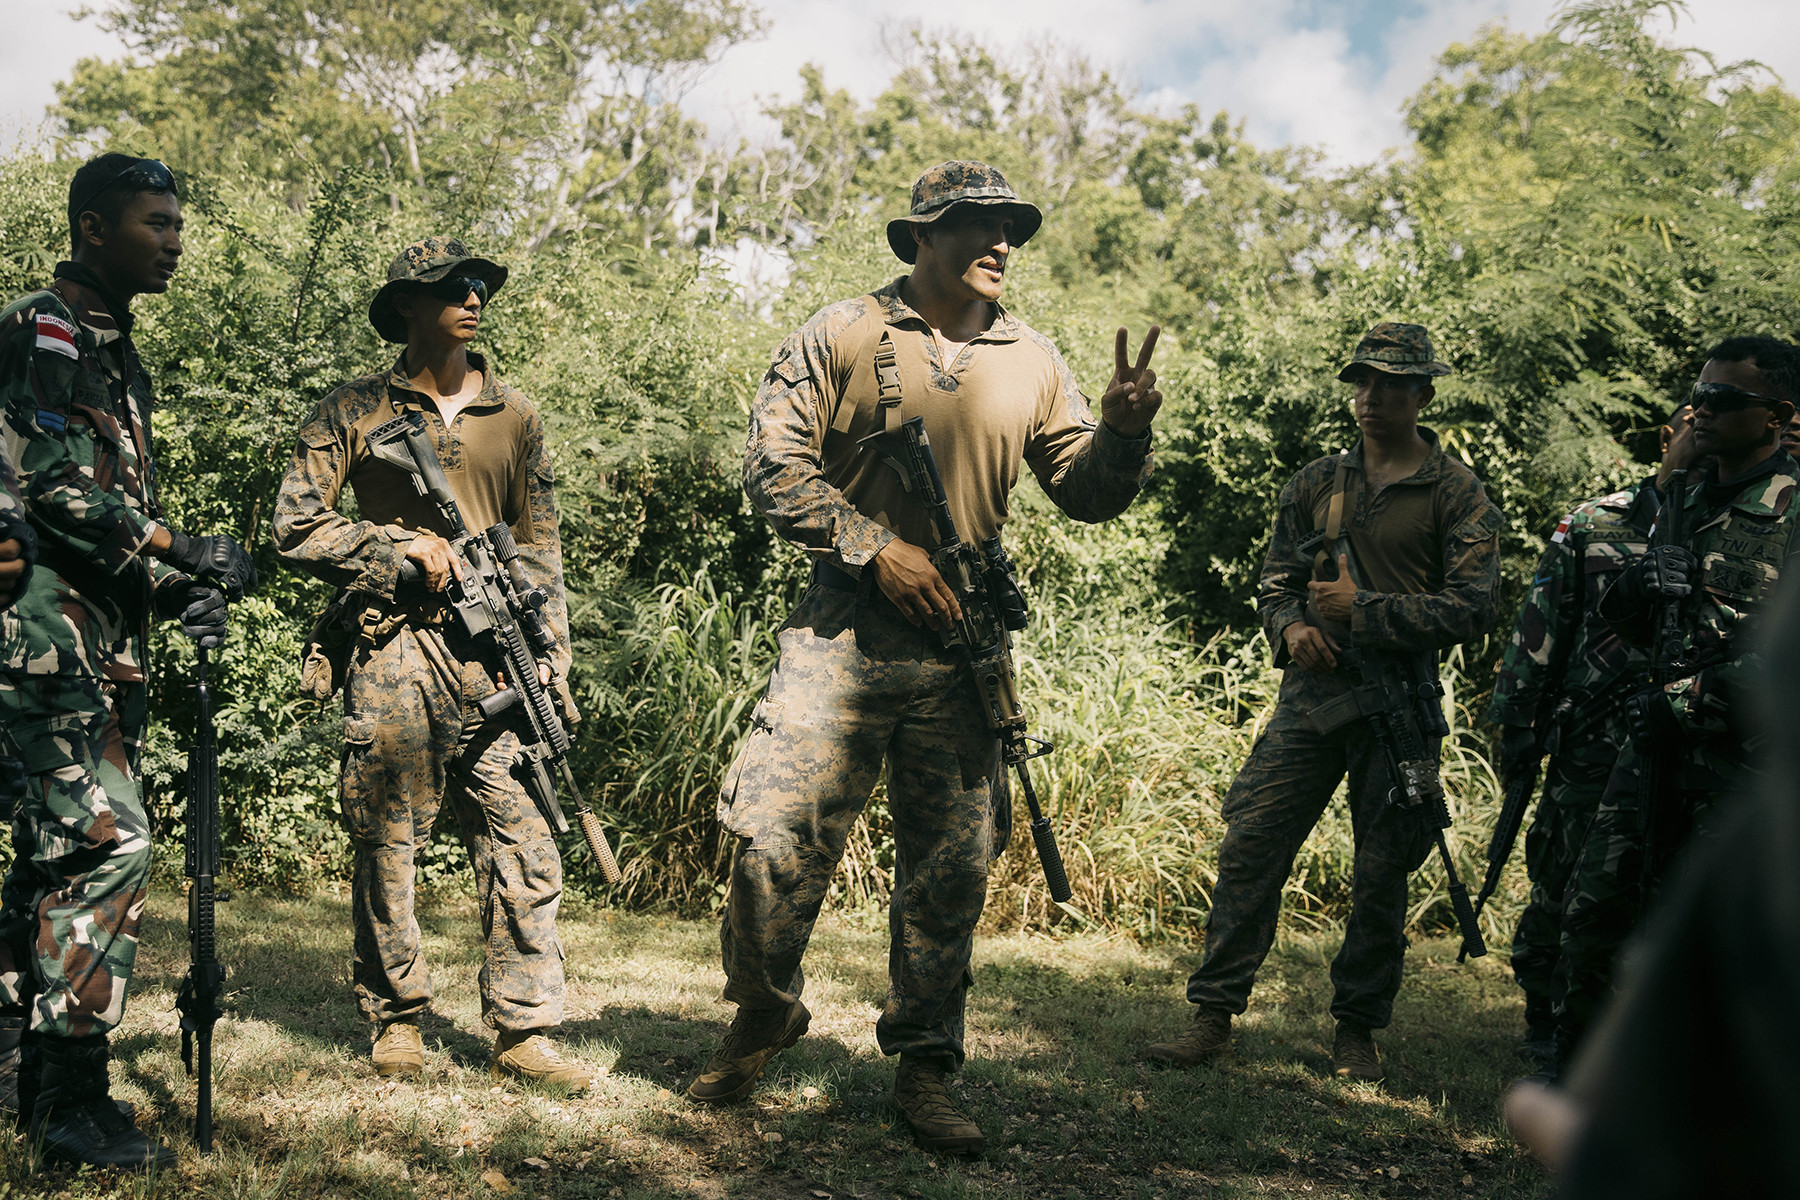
1742,542
494,457
1007,400
1562,648
1426,548
75,422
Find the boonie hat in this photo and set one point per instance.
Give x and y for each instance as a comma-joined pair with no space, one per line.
948,184
1396,349
427,262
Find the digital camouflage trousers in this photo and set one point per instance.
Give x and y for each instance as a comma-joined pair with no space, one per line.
72,902
1604,901
414,740
857,688
1277,798
1552,850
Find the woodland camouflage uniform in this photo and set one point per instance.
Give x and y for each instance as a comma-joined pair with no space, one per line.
74,416
413,737
1568,675
858,688
1426,552
1742,535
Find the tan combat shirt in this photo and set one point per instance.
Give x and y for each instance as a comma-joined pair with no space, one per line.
1008,398
494,458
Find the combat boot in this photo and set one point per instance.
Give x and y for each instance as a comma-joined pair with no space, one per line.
755,1036
399,1051
76,1120
1353,1054
1207,1039
16,1092
922,1093
527,1054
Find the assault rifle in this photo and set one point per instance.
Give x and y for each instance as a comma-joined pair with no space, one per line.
992,608
1404,707
494,602
1657,765
1513,806
204,984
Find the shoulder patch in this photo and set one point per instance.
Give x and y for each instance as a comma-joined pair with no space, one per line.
1562,529
56,335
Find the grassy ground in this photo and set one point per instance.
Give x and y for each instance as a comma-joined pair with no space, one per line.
1055,1025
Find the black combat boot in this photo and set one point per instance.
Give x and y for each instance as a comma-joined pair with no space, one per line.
74,1117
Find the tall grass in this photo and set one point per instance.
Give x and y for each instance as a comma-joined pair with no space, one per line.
1149,726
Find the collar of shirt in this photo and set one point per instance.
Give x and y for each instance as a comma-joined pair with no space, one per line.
1757,492
94,306
1003,328
1430,471
404,395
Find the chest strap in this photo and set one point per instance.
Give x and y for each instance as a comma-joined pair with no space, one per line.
887,379
1334,518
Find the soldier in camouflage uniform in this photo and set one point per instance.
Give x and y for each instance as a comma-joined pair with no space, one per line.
413,736
1743,526
74,417
1416,544
1562,689
864,679
18,543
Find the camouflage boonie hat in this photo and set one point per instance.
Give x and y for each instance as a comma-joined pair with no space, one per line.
427,262
1396,349
949,184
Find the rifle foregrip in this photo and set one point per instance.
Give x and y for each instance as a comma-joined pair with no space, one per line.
1473,943
1051,857
598,846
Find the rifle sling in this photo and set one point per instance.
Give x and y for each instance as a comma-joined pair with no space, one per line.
887,379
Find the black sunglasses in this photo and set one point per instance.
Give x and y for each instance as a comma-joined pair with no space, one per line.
1722,398
145,175
455,289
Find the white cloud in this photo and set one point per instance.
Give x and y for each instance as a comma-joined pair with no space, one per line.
1287,67
41,46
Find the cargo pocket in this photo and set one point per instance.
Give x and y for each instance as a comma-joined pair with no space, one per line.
358,778
751,760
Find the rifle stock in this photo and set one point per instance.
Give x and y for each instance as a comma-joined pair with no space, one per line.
494,602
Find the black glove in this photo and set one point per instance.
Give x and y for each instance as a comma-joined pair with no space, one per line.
218,560
15,528
1519,751
1666,571
1651,718
200,609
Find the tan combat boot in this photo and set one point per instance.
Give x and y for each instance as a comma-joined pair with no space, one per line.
1353,1054
527,1054
399,1050
922,1093
755,1036
1208,1038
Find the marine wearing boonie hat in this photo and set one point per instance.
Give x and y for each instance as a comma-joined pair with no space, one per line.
427,261
949,184
1396,349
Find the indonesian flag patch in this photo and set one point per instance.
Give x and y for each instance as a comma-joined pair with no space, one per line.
57,335
1562,530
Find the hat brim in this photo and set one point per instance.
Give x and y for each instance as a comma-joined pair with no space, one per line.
387,320
1026,220
1431,370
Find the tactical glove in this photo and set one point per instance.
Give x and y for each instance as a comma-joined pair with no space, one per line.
216,560
1651,718
1519,751
1667,570
14,528
200,609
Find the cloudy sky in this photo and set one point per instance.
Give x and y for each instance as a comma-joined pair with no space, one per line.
1330,73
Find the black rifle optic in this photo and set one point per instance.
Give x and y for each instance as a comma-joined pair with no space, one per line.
992,608
204,984
494,602
1404,706
1657,763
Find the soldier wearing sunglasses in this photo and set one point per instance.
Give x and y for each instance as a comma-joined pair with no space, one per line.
413,736
75,403
1743,523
